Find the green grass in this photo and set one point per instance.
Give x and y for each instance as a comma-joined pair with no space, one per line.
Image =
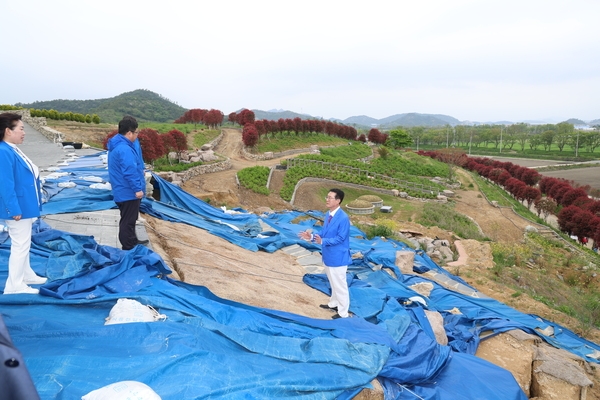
165,127
296,142
494,192
444,217
532,266
356,150
401,209
205,136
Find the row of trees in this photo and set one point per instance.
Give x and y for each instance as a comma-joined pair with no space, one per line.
65,116
521,135
253,130
578,213
211,118
55,115
155,145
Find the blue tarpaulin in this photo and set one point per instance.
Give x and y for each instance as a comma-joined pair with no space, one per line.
213,347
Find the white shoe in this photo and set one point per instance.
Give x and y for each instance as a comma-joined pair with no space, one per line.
38,280
26,290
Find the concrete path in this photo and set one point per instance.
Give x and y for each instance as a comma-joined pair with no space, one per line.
102,225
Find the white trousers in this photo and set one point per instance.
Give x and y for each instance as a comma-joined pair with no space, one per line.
340,297
19,268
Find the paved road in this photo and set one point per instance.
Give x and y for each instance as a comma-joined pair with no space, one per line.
102,225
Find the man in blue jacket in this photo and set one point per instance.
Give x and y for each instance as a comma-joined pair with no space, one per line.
334,239
126,174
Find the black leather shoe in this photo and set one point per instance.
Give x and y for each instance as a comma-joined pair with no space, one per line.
143,242
336,316
326,307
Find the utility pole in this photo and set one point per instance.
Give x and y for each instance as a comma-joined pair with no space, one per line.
577,144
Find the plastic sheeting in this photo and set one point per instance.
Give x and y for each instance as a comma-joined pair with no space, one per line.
211,347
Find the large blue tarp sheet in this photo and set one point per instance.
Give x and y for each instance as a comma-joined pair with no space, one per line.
209,347
213,347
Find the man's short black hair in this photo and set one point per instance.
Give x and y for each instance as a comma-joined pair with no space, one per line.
127,124
339,194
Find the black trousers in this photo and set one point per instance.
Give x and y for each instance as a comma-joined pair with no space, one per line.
129,214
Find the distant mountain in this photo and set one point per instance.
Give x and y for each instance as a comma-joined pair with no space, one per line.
576,121
366,122
594,122
415,119
403,120
274,116
142,104
362,120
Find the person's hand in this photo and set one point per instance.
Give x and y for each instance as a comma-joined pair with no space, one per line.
17,217
139,195
304,235
318,239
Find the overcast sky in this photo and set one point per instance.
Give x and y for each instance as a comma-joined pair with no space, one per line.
474,60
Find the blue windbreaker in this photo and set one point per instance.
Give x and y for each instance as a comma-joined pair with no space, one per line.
125,169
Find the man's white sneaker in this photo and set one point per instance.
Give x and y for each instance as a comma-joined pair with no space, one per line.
26,290
38,280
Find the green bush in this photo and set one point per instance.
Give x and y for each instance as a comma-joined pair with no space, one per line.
255,179
378,230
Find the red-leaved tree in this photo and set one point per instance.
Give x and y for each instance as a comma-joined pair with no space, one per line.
232,117
151,144
374,136
582,226
573,194
249,135
107,138
531,194
213,118
566,216
245,117
180,139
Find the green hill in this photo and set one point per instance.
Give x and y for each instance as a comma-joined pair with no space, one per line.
142,104
275,115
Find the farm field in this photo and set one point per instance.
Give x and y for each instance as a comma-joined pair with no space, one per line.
583,176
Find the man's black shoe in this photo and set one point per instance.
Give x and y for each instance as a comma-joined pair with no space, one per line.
143,242
336,316
326,307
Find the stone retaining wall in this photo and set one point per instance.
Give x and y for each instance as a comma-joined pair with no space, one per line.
270,155
216,140
39,124
178,178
